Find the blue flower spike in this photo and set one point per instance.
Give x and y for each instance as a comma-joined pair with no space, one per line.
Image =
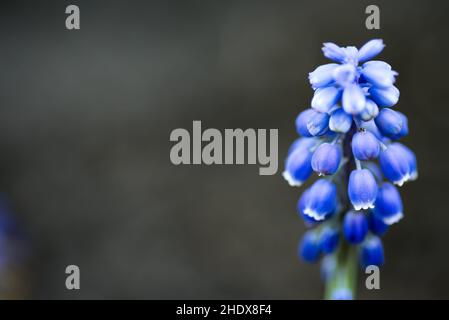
349,137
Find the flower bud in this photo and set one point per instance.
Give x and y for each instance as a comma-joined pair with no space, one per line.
370,49
370,112
389,122
379,77
344,74
388,204
355,227
322,76
384,97
362,189
352,55
329,239
333,52
372,252
298,167
304,143
318,123
301,122
309,247
321,200
377,225
340,121
325,98
309,221
353,100
326,159
394,162
404,129
411,161
377,64
365,146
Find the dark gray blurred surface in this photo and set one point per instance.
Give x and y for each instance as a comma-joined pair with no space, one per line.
85,119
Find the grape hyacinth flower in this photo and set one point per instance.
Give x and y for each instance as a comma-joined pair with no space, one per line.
349,138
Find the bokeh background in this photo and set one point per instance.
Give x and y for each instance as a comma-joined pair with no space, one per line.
85,119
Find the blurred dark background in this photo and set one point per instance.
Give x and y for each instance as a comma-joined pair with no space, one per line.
86,115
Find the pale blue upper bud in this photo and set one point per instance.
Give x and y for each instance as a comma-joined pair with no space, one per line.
333,52
370,49
352,55
389,122
326,159
325,98
340,121
365,146
321,201
318,123
388,204
395,164
384,97
370,112
322,76
297,166
379,77
345,74
362,189
353,100
377,64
